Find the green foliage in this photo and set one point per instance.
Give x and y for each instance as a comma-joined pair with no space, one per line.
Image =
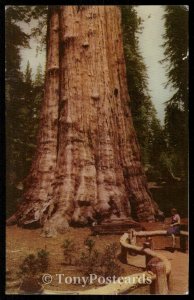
176,52
90,263
29,265
164,153
68,246
28,74
69,249
90,244
109,257
22,111
101,263
39,14
39,78
176,63
145,120
15,38
43,260
35,264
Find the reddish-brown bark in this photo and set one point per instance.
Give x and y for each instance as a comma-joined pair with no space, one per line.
88,159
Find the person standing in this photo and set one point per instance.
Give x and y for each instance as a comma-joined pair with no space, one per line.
174,228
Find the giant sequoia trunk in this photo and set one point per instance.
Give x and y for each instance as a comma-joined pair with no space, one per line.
87,164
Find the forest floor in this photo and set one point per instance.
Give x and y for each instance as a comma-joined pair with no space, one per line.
22,242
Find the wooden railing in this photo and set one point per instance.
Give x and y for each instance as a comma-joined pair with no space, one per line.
154,261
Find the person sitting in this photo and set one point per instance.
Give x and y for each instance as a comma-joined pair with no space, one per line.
174,228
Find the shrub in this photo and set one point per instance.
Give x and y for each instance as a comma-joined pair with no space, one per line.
68,250
89,243
43,260
90,263
31,269
29,265
109,257
35,264
101,263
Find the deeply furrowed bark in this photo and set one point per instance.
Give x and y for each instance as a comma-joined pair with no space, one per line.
88,160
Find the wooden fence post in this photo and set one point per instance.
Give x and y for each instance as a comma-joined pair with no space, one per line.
148,244
183,241
159,286
132,241
170,282
123,255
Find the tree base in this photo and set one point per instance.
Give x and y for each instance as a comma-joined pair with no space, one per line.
117,226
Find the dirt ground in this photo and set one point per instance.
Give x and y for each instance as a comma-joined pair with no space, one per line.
22,242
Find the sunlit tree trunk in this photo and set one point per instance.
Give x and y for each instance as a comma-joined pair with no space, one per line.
88,160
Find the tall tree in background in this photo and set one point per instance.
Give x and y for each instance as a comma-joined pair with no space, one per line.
148,128
176,59
88,159
22,105
15,39
28,74
39,78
